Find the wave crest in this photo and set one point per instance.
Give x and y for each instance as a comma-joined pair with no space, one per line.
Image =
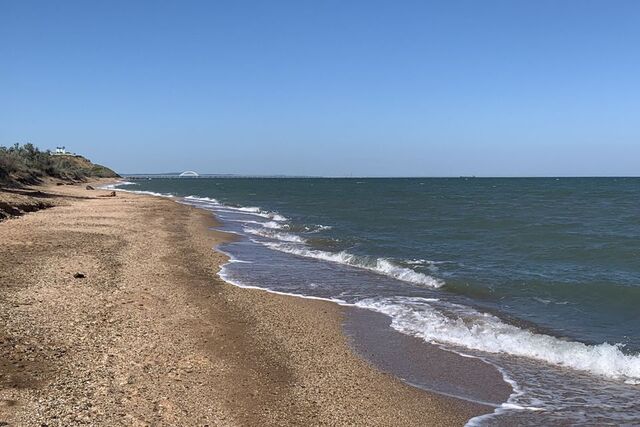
380,265
485,332
276,235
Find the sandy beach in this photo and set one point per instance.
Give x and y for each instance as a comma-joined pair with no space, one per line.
151,336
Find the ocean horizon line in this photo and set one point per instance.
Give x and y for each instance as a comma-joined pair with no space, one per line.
285,176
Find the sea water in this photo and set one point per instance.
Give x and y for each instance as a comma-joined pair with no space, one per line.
539,277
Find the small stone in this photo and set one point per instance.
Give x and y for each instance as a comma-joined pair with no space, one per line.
111,194
79,275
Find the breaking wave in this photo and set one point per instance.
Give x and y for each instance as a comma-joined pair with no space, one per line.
272,224
463,326
317,228
379,265
276,235
117,185
248,210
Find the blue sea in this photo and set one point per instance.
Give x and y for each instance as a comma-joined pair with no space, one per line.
539,277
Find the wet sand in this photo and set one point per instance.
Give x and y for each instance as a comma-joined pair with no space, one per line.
421,364
151,336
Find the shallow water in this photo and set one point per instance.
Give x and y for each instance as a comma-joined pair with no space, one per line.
539,277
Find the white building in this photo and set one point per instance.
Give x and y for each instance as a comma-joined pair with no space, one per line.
62,151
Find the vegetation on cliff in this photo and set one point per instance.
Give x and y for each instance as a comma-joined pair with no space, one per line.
26,164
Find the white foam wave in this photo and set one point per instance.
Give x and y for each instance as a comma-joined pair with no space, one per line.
257,211
150,193
272,224
117,185
268,224
249,210
278,217
427,262
276,235
487,333
202,199
317,228
380,265
252,209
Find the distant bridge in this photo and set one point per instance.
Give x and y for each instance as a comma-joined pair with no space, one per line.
192,174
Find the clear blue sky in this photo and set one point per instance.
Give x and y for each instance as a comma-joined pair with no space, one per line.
538,87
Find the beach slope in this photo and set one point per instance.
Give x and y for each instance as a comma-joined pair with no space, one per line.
111,313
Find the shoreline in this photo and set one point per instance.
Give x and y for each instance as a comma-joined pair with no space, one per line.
475,380
155,337
421,364
469,378
484,386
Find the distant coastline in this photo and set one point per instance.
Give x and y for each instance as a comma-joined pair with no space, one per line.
231,175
